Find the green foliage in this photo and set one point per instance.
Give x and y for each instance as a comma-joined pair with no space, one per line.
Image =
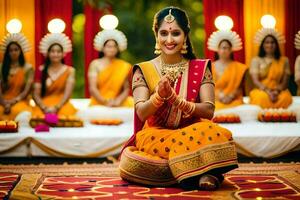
78,46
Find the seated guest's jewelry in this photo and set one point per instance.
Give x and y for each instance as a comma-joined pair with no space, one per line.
108,34
52,38
15,37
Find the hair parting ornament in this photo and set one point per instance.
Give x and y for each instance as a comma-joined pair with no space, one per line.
169,18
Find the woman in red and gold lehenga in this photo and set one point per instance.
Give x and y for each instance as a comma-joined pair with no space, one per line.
174,140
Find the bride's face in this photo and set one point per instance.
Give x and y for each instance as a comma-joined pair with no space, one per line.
170,38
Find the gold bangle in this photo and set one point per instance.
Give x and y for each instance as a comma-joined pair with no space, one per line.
173,98
177,101
191,110
171,95
139,101
210,102
156,101
181,104
159,97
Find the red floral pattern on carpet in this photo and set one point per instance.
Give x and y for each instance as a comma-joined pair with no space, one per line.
93,188
7,182
263,187
107,188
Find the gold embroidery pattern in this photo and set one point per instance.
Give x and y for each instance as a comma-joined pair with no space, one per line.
207,77
203,160
138,81
141,171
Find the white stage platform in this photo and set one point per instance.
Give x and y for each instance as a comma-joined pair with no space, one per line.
253,138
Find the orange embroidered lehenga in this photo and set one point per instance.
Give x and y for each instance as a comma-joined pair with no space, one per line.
169,149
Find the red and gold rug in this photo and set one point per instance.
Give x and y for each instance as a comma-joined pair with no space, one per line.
101,181
7,183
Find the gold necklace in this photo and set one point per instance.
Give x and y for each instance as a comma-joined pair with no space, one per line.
173,71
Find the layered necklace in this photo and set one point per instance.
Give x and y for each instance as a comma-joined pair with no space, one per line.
173,71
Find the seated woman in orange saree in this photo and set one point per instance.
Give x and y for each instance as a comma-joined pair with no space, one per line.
108,75
174,140
229,85
54,85
16,78
228,76
270,74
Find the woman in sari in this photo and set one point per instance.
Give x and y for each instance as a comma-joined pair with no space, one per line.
174,140
16,77
228,74
54,80
270,73
108,75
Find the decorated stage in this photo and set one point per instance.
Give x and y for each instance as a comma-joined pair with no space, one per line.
102,181
253,138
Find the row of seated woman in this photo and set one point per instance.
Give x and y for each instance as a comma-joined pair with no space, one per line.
53,82
51,85
269,74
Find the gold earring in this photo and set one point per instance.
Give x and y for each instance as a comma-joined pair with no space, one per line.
184,48
157,49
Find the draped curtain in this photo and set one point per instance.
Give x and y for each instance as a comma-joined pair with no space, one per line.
292,27
92,15
24,11
253,11
233,8
92,27
46,10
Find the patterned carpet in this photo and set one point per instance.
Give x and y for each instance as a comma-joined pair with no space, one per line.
101,181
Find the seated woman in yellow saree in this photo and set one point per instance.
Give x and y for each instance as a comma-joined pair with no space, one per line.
228,74
16,77
108,75
270,73
54,80
174,140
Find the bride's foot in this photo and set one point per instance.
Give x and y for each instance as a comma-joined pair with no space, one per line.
208,182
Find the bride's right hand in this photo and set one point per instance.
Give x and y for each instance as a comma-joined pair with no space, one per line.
164,87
